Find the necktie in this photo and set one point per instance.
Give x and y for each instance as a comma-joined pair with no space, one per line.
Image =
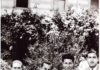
92,68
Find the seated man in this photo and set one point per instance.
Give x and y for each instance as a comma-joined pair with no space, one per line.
92,59
67,62
46,66
17,65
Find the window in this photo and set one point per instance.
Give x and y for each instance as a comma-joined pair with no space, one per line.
20,3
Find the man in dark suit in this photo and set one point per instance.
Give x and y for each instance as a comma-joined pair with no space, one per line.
92,59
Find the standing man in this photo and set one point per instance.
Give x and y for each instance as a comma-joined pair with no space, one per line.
17,65
92,59
67,62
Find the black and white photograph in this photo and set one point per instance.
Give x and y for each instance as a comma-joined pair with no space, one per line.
49,35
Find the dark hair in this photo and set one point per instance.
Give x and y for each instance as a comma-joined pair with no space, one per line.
47,62
67,56
92,51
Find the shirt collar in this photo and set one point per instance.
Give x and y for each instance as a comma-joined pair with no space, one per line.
94,68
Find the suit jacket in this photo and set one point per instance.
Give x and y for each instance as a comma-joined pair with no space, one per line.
98,67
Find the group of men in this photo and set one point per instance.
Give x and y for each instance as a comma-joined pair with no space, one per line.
92,59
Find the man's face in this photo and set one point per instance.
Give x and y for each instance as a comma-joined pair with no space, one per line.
46,66
92,59
16,66
68,64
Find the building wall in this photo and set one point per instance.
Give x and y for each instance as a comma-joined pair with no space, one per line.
47,5
7,3
43,5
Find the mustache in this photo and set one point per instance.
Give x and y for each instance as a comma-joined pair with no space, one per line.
91,62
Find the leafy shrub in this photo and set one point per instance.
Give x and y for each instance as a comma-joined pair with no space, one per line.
4,65
32,38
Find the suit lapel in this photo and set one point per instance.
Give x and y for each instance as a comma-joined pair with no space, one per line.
97,67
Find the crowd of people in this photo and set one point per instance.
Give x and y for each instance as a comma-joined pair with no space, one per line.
91,62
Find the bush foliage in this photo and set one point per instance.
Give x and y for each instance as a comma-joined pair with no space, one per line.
34,38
